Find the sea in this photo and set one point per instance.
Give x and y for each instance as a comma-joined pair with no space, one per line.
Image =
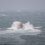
36,18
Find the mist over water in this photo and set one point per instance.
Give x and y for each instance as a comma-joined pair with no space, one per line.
22,22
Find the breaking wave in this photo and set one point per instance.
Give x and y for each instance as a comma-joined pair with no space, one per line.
23,28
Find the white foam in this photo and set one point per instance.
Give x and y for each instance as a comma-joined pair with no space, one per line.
26,28
3,15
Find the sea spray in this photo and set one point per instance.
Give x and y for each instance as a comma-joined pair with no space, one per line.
23,28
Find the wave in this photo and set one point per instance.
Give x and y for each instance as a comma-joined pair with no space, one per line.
23,28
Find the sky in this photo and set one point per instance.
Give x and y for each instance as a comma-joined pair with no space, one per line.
6,5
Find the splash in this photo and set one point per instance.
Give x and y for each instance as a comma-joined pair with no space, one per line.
23,28
19,27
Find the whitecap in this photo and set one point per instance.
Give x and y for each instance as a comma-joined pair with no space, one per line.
23,28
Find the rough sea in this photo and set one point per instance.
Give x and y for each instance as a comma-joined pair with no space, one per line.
37,19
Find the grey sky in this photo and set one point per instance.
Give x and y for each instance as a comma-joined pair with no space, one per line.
22,4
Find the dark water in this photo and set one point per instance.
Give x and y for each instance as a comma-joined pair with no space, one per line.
35,18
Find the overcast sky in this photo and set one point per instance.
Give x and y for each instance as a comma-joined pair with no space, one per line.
22,4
